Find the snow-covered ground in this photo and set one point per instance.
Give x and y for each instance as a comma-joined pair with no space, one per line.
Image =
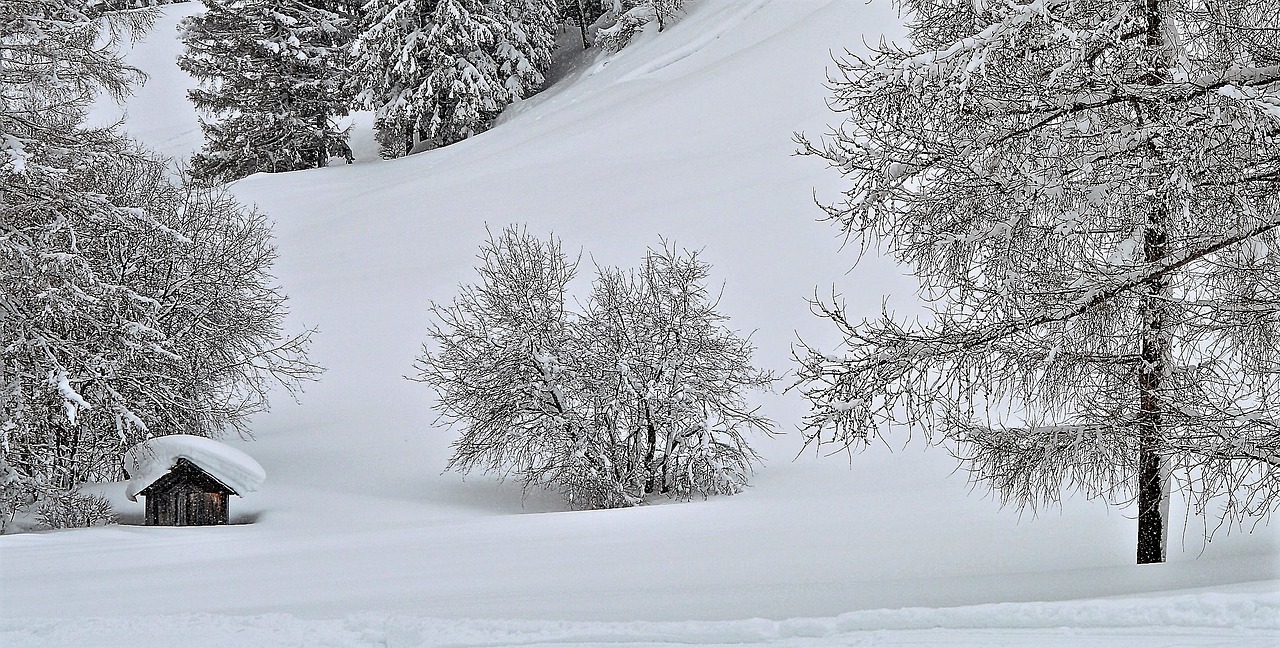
357,539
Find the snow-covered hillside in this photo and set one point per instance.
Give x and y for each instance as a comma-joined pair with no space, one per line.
357,539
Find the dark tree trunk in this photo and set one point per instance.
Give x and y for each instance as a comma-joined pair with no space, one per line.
322,141
1156,344
1155,352
652,439
582,25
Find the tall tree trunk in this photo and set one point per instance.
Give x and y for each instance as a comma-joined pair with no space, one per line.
1156,343
650,450
582,25
1155,352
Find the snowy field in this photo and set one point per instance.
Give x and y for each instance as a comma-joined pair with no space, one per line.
358,539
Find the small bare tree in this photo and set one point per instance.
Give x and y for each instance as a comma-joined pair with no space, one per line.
1089,191
642,392
667,379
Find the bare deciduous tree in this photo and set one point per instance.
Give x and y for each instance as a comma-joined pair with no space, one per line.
642,392
129,306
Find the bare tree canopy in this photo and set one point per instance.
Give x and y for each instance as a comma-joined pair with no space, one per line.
130,306
641,392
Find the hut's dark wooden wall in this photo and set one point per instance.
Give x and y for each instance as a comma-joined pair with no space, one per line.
186,496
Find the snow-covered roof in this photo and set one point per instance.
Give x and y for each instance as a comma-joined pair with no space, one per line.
150,460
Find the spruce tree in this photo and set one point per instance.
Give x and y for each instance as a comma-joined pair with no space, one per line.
440,71
1089,192
525,44
628,17
272,85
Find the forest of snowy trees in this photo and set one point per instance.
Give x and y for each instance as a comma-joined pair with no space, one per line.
135,304
277,77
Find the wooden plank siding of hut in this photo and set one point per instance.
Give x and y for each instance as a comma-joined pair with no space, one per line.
187,496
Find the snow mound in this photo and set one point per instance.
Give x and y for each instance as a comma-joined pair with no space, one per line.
150,460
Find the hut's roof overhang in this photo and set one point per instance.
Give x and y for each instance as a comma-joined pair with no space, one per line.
151,460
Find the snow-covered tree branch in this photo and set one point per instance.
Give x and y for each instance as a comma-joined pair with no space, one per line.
129,306
1089,193
440,71
642,392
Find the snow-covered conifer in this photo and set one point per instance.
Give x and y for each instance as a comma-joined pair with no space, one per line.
272,85
428,68
642,392
1089,191
627,17
525,44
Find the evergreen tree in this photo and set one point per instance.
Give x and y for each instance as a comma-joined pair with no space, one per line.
1089,192
525,44
271,82
627,17
439,71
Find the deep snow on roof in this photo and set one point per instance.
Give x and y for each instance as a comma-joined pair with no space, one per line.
150,460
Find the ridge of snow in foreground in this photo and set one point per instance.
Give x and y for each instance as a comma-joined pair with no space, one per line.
1240,618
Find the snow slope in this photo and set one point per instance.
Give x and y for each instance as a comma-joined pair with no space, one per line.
359,540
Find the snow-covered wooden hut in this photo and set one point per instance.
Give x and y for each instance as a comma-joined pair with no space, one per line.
187,480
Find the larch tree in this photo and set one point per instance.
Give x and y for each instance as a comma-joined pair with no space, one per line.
642,392
1089,193
271,85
